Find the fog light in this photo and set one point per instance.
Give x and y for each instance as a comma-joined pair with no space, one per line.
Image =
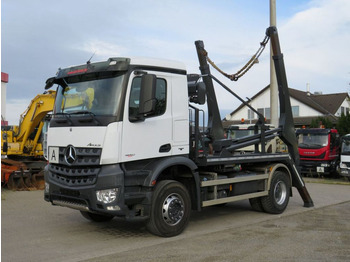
47,187
113,208
107,196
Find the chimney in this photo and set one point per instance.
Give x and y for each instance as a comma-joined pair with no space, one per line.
308,89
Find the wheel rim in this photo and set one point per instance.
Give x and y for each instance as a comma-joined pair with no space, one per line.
173,209
280,192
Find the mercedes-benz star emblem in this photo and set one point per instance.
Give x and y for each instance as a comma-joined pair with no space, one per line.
70,155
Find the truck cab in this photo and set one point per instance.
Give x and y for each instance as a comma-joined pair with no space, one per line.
319,150
345,156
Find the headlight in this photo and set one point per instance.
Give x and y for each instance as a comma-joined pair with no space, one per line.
343,165
107,196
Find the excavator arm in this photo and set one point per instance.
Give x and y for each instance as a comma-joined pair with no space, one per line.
22,141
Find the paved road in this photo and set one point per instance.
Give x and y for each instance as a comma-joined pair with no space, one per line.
32,230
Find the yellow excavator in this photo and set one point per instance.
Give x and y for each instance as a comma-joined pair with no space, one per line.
22,160
22,146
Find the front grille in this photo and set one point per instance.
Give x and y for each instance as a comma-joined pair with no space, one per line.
313,156
73,176
83,171
84,157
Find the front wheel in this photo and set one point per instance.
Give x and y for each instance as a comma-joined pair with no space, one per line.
171,208
277,199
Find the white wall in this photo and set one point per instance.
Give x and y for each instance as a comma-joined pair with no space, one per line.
346,105
263,101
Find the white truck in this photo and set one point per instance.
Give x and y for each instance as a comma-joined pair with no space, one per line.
345,156
133,147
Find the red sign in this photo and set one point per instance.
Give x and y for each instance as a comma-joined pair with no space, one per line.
4,77
77,71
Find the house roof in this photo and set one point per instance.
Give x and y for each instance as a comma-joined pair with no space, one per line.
327,104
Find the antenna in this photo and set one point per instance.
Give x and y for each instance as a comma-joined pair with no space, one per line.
89,61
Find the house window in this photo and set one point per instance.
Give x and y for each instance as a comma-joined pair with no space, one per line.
295,111
342,110
250,114
265,112
347,111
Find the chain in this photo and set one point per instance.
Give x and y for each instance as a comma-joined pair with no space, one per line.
246,67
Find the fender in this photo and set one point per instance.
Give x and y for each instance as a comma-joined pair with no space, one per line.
276,167
157,167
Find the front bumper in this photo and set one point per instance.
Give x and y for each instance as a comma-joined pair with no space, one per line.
316,167
132,202
345,172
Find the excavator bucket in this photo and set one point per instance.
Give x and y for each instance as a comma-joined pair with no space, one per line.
17,176
38,180
16,181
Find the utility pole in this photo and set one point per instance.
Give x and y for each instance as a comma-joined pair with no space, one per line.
273,80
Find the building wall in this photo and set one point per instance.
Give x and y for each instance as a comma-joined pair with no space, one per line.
304,110
344,108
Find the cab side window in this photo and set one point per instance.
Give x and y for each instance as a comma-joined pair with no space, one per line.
134,100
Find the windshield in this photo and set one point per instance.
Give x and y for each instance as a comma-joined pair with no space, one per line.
312,140
91,94
238,133
345,147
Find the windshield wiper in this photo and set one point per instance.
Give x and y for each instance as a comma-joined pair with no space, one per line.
86,112
65,119
345,153
304,145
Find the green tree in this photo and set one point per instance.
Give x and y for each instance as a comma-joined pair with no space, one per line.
343,125
320,120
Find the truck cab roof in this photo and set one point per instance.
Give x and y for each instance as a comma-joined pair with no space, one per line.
316,131
120,64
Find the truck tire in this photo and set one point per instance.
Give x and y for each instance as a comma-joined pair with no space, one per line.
96,217
171,208
277,199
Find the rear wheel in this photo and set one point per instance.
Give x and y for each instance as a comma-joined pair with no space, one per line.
96,217
171,208
277,199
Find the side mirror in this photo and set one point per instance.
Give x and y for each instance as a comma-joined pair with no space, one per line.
50,82
197,92
148,94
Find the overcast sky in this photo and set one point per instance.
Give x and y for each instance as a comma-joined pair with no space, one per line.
39,36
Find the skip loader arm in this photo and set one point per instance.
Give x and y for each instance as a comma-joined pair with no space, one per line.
286,122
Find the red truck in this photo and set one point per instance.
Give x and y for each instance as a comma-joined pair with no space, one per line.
318,150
